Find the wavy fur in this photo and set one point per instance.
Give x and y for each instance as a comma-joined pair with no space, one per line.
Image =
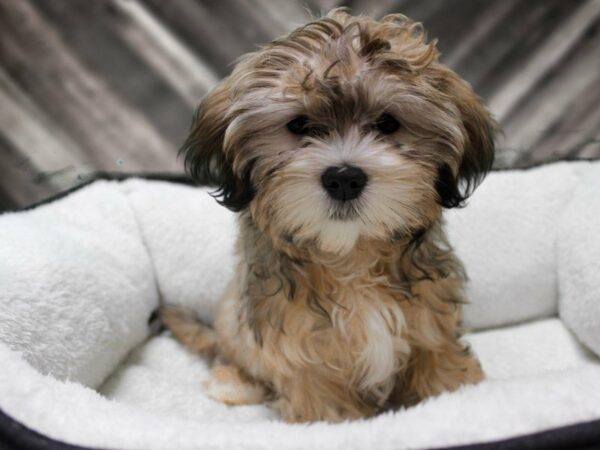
342,310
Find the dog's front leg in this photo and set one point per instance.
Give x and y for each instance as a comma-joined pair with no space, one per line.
431,372
310,397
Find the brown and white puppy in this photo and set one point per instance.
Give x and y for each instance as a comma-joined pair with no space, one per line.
340,145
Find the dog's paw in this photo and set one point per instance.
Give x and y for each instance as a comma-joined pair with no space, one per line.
228,385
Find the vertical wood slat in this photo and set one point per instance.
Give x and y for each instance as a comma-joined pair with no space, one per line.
36,157
94,33
375,9
166,54
490,19
206,34
575,132
555,48
74,95
512,42
553,99
286,15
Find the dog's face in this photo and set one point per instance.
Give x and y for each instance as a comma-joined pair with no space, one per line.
346,128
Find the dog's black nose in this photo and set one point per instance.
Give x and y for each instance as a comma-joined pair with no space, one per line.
344,182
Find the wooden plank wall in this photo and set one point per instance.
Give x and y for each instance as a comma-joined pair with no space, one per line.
88,85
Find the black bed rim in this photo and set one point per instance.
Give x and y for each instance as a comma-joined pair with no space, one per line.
581,436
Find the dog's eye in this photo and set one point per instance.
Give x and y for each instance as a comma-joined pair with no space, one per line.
298,125
386,124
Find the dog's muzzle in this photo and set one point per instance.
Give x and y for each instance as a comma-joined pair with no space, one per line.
344,183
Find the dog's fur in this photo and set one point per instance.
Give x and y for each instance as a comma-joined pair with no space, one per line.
340,309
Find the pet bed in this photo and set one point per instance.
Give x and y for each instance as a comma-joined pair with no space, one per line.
81,275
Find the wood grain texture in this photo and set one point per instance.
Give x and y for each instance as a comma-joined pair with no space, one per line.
112,84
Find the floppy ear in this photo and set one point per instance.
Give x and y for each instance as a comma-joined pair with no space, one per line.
478,152
205,158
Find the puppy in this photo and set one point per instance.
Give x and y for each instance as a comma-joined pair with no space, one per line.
339,146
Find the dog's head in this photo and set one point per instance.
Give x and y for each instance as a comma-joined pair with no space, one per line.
347,127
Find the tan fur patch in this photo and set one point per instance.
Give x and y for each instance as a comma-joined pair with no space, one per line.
341,309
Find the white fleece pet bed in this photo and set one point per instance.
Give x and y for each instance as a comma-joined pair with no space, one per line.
80,277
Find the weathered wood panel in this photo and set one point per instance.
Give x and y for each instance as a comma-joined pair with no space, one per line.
111,84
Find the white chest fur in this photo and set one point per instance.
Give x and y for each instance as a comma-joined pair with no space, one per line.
372,323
